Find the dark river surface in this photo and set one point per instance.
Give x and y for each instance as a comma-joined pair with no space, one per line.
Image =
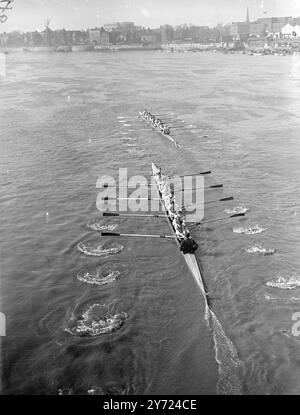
92,315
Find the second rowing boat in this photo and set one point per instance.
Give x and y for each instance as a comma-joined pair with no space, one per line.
168,136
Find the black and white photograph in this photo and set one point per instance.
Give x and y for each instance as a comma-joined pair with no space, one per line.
150,200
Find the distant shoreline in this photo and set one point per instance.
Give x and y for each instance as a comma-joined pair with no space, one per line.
78,48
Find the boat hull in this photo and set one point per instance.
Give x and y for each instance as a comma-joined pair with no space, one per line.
169,137
190,259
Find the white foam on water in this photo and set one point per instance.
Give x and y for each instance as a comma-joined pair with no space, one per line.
238,209
229,364
285,282
98,278
94,322
99,249
252,230
260,250
100,227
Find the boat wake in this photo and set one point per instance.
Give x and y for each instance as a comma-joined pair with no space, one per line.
96,320
230,366
249,231
238,209
259,250
94,248
100,276
282,282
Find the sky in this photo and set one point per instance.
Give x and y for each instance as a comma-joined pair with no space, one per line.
29,15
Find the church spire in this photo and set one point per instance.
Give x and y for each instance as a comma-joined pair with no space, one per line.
248,18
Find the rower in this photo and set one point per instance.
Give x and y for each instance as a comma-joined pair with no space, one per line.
158,175
164,188
188,245
169,199
172,210
179,226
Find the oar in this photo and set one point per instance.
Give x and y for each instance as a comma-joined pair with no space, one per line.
136,235
214,186
193,174
223,218
133,214
132,198
224,199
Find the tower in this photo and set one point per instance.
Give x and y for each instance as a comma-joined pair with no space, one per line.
248,18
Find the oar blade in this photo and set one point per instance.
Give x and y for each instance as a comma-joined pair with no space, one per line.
226,199
110,214
109,234
237,215
216,186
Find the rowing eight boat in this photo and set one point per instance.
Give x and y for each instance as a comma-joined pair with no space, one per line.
190,259
168,136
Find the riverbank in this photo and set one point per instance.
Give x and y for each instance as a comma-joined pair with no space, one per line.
80,48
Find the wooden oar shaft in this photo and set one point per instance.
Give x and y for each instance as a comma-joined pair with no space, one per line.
214,186
137,235
133,214
217,219
190,175
136,198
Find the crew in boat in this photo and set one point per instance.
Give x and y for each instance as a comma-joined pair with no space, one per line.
166,130
188,245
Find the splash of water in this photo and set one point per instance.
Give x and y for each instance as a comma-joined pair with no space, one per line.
98,277
249,231
237,209
96,320
259,250
99,250
289,282
96,226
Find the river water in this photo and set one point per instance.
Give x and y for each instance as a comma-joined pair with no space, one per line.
92,315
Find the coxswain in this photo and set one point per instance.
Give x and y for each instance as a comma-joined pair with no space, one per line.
188,245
